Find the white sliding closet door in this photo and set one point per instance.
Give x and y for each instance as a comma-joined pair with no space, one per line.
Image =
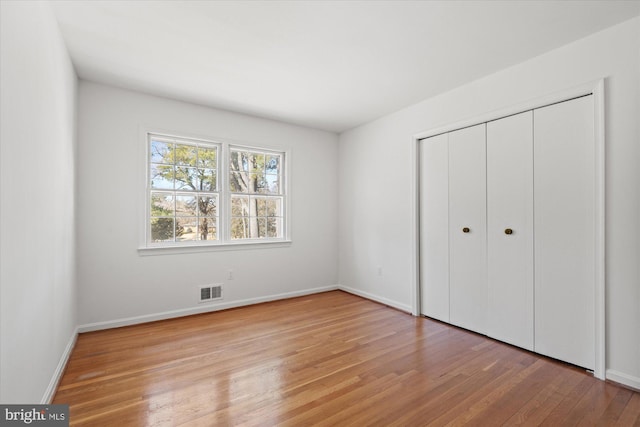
434,227
467,228
510,229
564,194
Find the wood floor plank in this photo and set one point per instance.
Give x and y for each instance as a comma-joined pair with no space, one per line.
631,414
546,400
324,359
611,415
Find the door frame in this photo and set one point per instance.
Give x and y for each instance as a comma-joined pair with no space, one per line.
596,88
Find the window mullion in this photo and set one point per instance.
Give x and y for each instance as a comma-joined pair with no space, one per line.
225,196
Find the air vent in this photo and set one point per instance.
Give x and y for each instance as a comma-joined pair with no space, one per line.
210,293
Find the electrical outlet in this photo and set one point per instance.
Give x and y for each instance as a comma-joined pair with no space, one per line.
379,271
230,275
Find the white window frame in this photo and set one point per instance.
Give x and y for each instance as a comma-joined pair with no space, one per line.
224,242
227,193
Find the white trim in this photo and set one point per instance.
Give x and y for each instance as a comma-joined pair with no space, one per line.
597,89
625,379
403,307
583,89
128,321
197,248
600,254
415,221
287,193
50,392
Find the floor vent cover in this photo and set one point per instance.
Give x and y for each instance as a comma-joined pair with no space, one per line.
210,293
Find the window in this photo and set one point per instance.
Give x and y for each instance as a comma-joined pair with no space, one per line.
256,199
210,193
184,190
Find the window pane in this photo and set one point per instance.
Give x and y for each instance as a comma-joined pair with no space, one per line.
185,205
186,228
208,206
239,228
186,178
185,155
262,206
239,161
162,229
257,183
272,184
207,158
256,163
274,227
162,204
273,165
262,227
238,182
207,180
274,206
253,227
239,206
207,229
161,152
253,207
161,177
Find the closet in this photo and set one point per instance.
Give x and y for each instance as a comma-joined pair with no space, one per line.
508,231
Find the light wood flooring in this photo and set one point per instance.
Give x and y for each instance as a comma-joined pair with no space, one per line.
330,359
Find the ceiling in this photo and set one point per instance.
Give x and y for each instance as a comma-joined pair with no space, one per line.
330,65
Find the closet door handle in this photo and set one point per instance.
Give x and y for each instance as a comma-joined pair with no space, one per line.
465,230
508,231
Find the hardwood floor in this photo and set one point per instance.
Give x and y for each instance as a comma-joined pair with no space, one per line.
330,359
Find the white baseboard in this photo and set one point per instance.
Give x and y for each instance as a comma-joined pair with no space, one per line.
376,298
622,378
57,374
197,310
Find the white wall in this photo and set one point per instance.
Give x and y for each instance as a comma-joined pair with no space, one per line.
375,172
37,280
116,282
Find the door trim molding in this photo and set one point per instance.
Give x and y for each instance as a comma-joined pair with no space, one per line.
597,89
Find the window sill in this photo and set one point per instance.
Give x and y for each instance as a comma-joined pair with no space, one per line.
235,246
